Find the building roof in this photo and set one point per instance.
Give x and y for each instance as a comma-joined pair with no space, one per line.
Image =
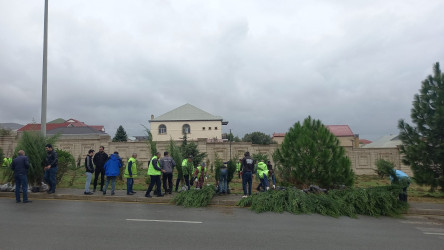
57,124
279,134
340,130
187,112
364,141
75,131
337,130
10,126
386,141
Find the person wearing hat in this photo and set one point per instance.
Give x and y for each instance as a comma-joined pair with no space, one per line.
89,170
199,174
187,170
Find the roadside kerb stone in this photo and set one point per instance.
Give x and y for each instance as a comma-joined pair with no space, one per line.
416,208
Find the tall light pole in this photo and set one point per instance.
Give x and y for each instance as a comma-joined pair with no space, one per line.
45,66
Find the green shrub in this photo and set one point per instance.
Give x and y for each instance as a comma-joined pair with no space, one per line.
33,143
384,168
65,163
195,197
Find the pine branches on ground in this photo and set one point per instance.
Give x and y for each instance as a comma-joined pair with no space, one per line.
195,197
350,202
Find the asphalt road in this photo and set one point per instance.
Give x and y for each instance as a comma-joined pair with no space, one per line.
61,224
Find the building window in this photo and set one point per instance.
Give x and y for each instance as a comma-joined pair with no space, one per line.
203,128
186,129
209,128
215,128
162,129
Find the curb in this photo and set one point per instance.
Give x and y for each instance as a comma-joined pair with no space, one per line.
216,201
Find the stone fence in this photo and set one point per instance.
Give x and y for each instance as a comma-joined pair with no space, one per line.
363,159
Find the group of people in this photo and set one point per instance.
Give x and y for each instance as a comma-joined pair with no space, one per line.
264,171
158,167
164,166
20,165
103,165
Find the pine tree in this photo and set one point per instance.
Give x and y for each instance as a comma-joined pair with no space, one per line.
120,135
311,154
423,145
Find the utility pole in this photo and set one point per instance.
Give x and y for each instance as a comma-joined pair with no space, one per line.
230,143
45,66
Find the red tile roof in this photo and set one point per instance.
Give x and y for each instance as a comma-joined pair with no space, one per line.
337,130
279,134
364,141
340,130
51,126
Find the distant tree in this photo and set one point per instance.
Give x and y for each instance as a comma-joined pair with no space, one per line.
232,138
423,145
120,135
258,138
311,154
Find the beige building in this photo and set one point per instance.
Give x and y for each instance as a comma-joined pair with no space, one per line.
186,119
343,132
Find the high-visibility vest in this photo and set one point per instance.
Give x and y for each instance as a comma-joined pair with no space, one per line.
133,168
151,170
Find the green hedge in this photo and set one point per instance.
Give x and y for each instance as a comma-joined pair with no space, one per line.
350,202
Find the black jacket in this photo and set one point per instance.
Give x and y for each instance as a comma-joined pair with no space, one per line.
247,164
51,158
89,164
20,165
100,159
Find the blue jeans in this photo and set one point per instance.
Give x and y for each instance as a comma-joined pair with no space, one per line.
88,181
113,183
273,178
264,182
246,178
21,180
129,185
50,178
223,180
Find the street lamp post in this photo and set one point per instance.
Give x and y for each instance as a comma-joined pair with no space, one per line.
45,66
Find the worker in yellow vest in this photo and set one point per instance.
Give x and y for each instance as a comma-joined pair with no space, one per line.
130,174
154,171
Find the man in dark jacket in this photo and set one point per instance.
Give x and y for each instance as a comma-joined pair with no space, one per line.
20,166
247,169
89,170
100,159
51,168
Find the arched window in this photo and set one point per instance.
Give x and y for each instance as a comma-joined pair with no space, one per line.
162,129
186,129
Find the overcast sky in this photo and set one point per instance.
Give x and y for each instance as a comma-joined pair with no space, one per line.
261,65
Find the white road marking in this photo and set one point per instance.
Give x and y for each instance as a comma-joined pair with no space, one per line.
167,221
434,233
